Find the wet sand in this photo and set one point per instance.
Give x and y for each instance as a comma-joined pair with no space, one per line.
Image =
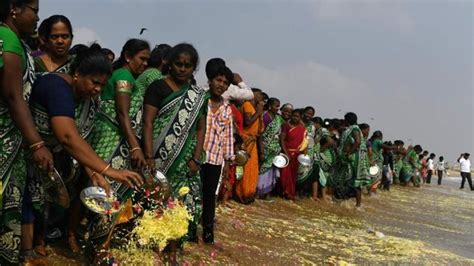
431,225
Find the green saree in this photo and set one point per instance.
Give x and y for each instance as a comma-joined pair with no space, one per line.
352,171
12,162
174,141
271,141
323,160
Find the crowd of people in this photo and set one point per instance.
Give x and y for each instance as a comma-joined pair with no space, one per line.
99,120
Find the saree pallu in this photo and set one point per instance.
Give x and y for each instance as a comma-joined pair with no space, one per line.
13,173
246,187
174,141
40,66
294,139
271,141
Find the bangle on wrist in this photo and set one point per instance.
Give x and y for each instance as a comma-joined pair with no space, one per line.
135,149
93,174
105,169
37,147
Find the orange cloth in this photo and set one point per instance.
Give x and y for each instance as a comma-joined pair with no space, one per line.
246,188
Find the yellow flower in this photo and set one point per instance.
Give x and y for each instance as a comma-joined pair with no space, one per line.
183,191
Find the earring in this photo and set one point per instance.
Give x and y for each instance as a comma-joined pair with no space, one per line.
13,14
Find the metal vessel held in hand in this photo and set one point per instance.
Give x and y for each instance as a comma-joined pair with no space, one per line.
241,157
157,183
281,160
305,160
54,187
96,200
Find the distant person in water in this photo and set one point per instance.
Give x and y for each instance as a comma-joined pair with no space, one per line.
465,165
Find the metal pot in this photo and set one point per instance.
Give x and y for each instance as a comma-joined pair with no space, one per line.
241,157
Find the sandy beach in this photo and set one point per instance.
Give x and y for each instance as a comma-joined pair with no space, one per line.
431,225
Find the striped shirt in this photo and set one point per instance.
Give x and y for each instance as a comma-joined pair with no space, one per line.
219,140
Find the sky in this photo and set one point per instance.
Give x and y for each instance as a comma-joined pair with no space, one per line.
404,67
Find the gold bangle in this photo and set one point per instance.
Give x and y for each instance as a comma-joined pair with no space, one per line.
36,144
135,149
37,147
105,169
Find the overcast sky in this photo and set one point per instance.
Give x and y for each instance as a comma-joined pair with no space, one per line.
405,67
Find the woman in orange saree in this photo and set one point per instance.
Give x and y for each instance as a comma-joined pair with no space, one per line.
293,134
253,126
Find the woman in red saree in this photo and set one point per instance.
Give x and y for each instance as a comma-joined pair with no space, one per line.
293,134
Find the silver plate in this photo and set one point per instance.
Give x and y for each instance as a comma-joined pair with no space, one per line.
281,161
304,160
96,200
374,170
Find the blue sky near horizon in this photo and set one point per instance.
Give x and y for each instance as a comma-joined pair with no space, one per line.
405,67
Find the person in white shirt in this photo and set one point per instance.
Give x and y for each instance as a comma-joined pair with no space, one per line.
440,166
465,165
238,90
430,167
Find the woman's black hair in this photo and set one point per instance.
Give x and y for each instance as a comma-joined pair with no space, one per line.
432,155
46,25
158,55
77,49
351,118
184,48
222,71
364,126
318,120
6,5
255,90
420,156
212,64
270,102
441,158
418,148
130,48
376,135
108,52
91,61
299,111
309,108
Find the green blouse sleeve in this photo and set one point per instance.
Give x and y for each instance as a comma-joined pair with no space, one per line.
122,81
10,43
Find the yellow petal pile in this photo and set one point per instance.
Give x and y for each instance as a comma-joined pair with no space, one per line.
155,232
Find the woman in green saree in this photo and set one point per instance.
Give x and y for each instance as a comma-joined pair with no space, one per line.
352,169
118,125
56,35
174,128
18,18
63,109
411,166
323,158
270,140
